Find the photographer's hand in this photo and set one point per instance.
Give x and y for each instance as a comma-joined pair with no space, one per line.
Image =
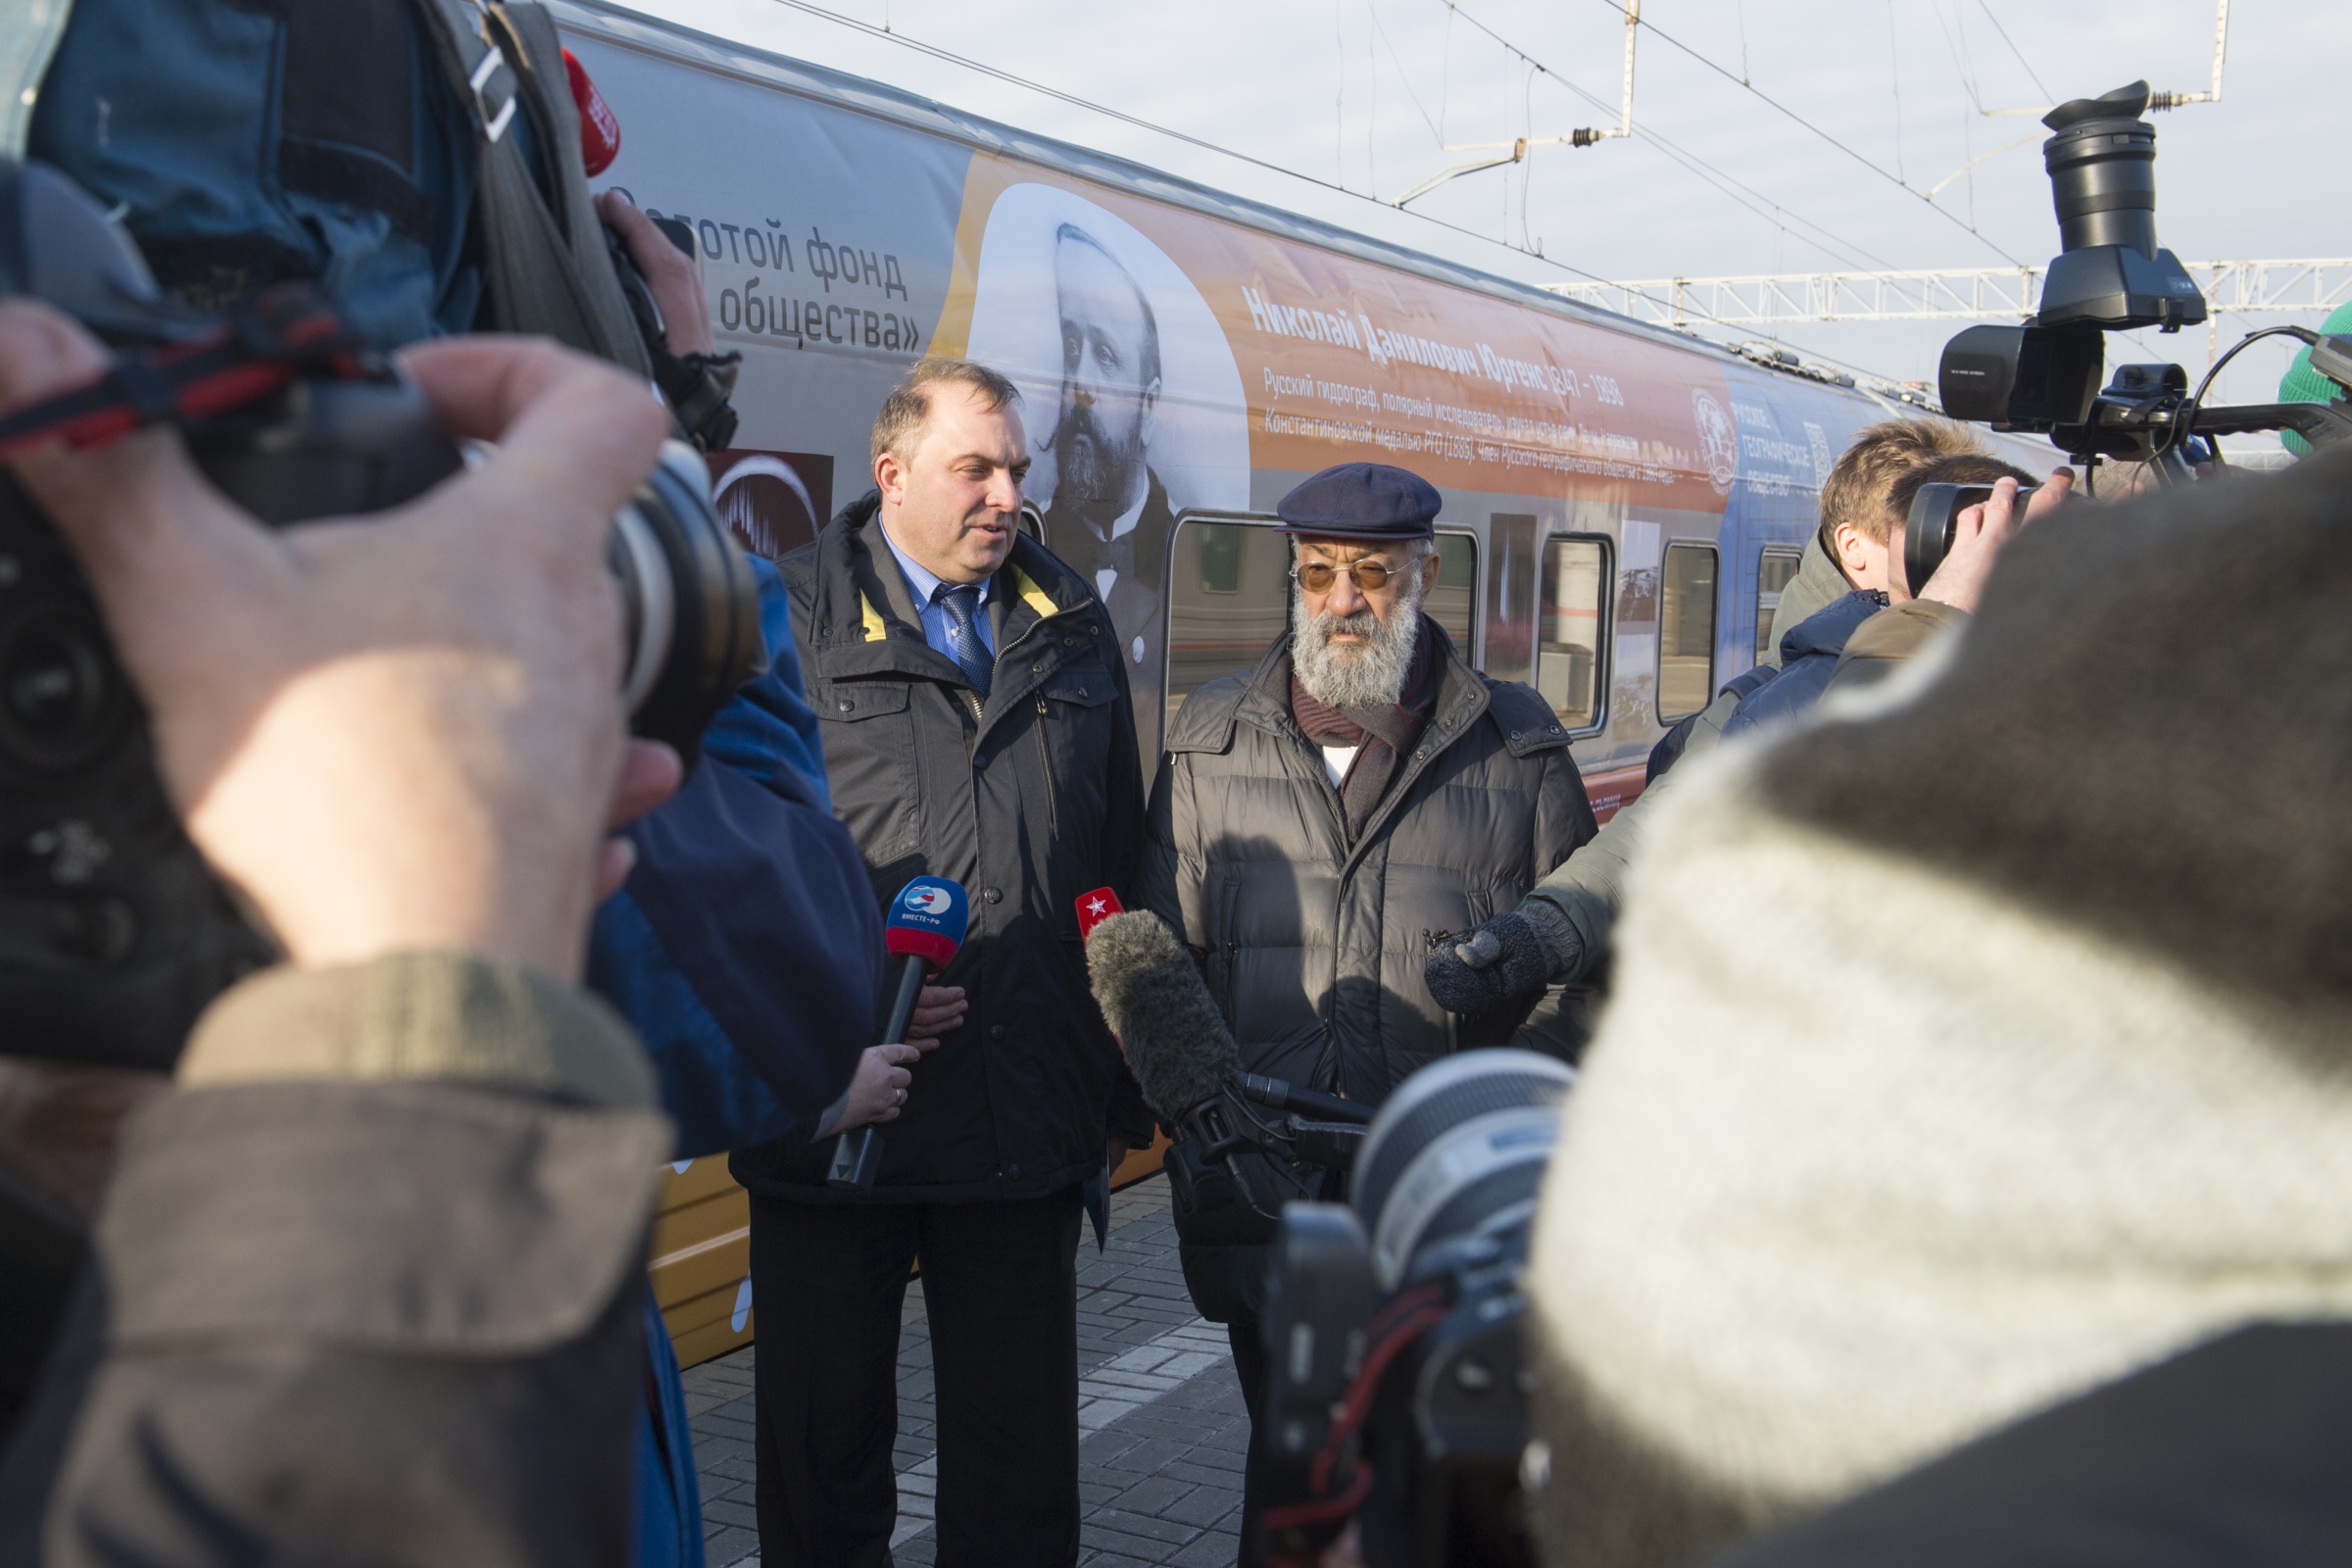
400,733
676,282
1978,534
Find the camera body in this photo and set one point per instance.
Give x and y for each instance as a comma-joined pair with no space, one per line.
2111,275
1397,1376
113,934
2043,377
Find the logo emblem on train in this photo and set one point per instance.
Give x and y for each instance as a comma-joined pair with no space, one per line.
1718,440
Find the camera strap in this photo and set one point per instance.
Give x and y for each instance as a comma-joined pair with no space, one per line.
288,329
543,248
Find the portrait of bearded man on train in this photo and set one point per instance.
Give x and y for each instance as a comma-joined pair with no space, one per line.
1109,516
1130,393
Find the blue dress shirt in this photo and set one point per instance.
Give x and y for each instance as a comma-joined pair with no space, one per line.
926,586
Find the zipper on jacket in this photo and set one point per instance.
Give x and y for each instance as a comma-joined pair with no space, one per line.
1045,756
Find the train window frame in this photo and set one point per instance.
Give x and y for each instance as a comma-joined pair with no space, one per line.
1714,628
1795,555
1605,637
1475,654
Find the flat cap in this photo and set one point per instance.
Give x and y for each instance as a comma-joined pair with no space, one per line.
1370,501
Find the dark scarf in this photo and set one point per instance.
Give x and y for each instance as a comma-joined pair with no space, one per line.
1384,736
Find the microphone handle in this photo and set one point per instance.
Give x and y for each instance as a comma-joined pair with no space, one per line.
1305,1101
910,986
858,1153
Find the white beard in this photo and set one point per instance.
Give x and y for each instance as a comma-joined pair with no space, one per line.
1370,674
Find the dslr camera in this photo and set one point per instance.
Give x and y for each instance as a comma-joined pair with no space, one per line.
2046,375
113,934
1397,1380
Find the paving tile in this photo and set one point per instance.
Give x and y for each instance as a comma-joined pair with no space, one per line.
1147,1455
1186,1469
728,1511
1203,1506
1154,1494
730,1546
1116,1547
1218,1550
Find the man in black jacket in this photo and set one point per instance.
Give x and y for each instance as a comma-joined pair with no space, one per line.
977,726
1321,823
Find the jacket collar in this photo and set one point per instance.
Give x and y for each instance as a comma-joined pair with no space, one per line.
1826,630
867,619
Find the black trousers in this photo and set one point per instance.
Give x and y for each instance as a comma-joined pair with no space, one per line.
1244,1333
1000,1292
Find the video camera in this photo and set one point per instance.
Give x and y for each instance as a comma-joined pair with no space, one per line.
113,935
2111,275
1398,1382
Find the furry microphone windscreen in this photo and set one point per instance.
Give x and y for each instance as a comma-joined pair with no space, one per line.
1155,1002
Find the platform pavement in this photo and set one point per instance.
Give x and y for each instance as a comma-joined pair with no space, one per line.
1160,1461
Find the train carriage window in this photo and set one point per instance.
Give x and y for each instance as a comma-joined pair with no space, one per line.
1229,597
1685,631
1571,651
1221,544
1452,601
1775,569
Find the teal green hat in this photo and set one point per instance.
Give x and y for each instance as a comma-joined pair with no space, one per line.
2303,384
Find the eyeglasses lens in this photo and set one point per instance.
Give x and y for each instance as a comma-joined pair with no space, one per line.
1316,577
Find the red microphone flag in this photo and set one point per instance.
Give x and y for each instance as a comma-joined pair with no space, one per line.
1096,907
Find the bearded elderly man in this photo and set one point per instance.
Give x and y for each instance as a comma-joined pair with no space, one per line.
1319,822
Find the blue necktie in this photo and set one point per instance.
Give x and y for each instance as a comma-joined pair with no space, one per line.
961,602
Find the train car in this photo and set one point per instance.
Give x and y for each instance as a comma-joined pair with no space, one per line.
1622,504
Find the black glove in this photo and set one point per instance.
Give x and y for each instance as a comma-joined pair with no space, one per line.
1503,962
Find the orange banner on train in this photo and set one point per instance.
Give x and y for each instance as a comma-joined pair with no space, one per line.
1334,359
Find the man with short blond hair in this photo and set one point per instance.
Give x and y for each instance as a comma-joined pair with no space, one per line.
977,726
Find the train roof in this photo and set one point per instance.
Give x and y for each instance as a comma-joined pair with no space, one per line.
652,35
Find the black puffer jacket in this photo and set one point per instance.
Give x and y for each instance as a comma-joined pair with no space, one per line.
1315,946
1028,801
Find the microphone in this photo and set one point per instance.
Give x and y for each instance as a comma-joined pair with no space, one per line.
1153,997
600,127
925,928
1188,1066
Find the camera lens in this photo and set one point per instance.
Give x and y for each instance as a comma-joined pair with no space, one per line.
61,702
2102,167
1458,1149
690,601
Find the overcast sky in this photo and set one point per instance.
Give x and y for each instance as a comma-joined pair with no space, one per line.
1715,181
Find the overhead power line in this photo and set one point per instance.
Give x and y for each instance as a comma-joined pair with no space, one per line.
1876,168
949,57
1690,161
2013,48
